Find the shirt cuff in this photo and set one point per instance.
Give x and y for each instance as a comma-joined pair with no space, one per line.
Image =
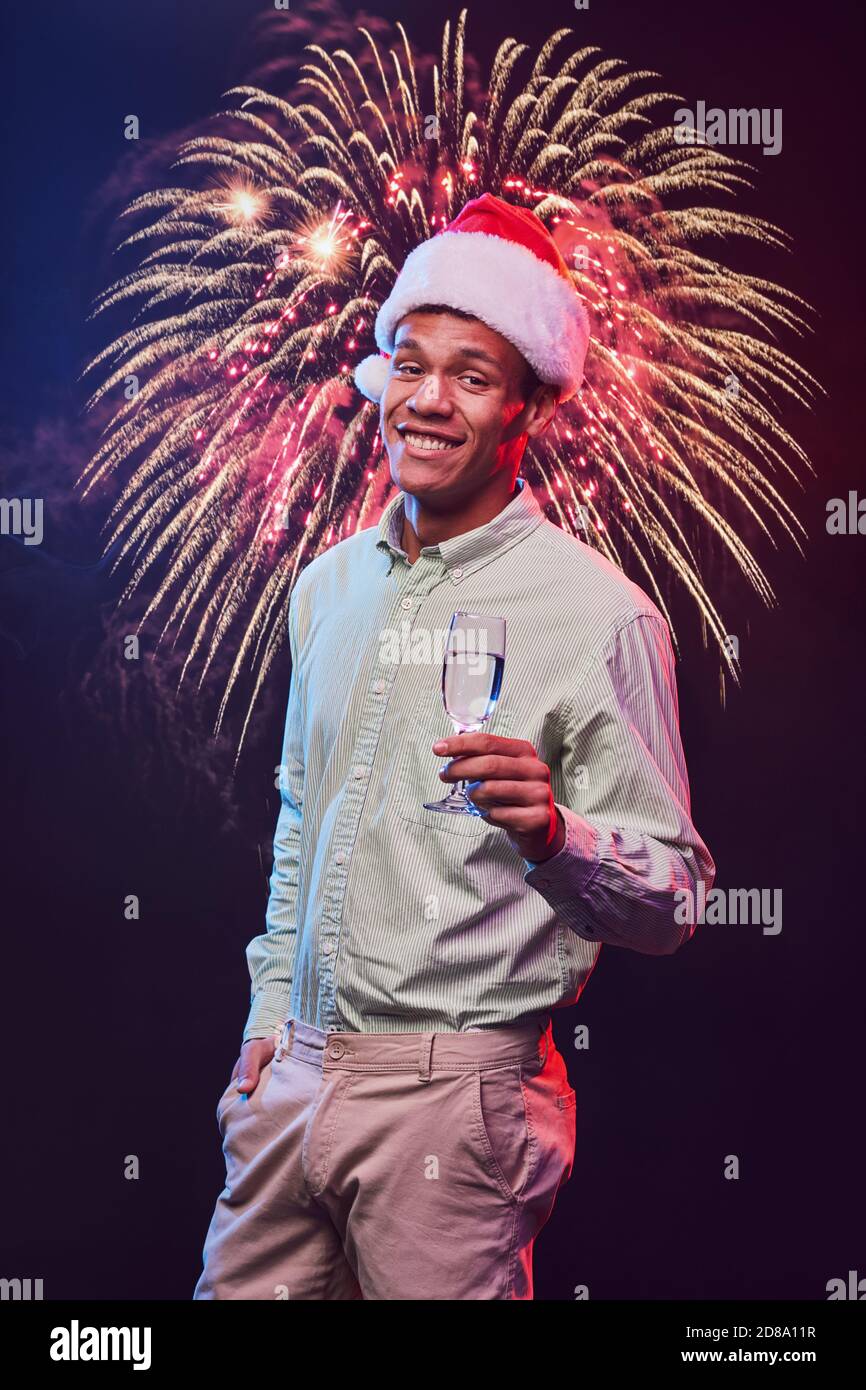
564,878
268,1012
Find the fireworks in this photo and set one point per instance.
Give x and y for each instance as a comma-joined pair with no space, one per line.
243,203
246,450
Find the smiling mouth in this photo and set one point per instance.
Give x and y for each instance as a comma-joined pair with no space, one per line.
429,443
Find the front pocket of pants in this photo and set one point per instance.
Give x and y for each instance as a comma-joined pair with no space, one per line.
567,1106
231,1094
228,1097
506,1143
552,1108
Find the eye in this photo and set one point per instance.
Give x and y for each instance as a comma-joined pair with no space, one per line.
406,367
473,380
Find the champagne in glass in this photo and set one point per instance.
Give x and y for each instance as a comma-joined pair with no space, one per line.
471,682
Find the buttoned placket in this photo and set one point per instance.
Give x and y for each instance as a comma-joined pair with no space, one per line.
412,585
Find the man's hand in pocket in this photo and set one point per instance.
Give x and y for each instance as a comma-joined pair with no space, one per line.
255,1055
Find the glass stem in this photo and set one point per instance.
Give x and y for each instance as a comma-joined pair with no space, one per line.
459,788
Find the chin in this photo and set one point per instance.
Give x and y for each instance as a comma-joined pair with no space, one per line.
417,475
418,483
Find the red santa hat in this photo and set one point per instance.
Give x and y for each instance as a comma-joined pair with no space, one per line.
500,264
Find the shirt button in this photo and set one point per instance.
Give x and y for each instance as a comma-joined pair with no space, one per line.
457,573
327,948
339,857
378,687
360,771
406,603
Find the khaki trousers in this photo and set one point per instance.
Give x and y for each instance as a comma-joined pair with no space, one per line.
391,1166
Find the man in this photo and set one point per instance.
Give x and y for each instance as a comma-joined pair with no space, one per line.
407,1136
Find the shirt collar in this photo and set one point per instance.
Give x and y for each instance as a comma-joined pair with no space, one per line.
472,549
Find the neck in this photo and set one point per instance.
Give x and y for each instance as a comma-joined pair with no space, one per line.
422,526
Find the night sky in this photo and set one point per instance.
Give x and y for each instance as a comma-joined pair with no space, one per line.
121,1035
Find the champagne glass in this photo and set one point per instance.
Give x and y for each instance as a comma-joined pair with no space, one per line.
471,682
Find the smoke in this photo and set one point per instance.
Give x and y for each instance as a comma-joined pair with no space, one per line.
118,691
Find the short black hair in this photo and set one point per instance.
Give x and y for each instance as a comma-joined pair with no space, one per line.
530,381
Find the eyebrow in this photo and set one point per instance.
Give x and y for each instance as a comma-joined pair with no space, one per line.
461,352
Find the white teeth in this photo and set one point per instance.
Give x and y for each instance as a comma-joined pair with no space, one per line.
427,443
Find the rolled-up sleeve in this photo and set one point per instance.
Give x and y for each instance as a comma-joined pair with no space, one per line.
271,955
628,871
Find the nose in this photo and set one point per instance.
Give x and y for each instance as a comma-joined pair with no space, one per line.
432,396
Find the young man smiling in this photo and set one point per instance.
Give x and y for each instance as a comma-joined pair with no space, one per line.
399,1121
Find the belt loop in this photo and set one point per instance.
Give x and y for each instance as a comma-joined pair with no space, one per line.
424,1053
286,1046
545,1034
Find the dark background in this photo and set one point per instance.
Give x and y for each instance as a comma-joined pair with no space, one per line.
121,1035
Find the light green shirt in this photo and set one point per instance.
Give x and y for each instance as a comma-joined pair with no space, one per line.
386,917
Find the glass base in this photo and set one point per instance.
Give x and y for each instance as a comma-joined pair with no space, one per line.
458,804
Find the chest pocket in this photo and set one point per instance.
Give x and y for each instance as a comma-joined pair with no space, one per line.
418,778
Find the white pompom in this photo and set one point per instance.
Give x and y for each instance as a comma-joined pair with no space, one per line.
370,376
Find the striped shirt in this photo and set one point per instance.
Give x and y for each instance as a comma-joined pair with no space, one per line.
386,917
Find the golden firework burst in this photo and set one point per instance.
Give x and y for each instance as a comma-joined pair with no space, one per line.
246,450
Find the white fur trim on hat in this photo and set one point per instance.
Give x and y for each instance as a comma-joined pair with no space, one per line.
508,288
370,375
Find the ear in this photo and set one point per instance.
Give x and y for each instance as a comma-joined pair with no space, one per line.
541,410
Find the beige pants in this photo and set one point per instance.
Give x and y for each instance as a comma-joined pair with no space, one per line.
391,1166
